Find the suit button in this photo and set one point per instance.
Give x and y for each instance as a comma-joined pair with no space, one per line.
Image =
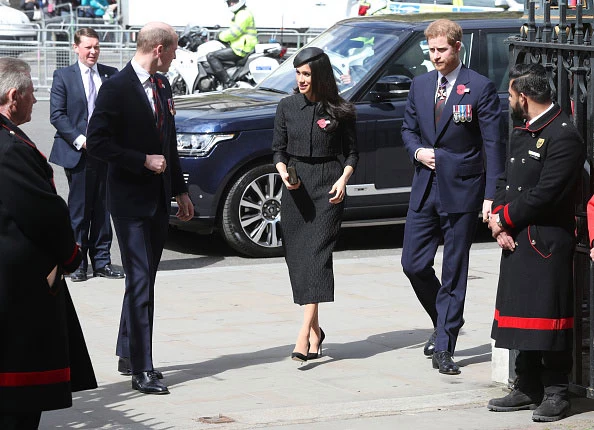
506,187
523,161
512,159
516,243
519,188
533,242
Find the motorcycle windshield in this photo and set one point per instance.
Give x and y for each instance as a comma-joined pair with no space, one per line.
354,51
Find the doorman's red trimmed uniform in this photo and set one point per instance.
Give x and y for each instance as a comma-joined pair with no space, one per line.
43,356
535,201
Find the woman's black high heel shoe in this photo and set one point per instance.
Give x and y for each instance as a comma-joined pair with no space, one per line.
297,356
314,355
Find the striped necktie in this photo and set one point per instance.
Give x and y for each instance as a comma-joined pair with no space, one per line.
440,99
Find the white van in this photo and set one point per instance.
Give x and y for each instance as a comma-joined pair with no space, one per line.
288,14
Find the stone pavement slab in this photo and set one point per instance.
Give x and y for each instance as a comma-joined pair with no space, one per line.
223,337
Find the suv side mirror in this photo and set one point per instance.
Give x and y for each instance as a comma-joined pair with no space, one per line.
390,87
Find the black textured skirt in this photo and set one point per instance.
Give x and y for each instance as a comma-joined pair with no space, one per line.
310,226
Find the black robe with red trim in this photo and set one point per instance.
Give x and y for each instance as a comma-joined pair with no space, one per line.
43,356
535,201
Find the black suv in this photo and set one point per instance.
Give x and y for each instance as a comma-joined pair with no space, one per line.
224,139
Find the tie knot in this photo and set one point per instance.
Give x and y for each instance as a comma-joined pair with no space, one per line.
152,79
444,81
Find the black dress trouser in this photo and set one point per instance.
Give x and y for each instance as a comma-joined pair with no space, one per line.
548,370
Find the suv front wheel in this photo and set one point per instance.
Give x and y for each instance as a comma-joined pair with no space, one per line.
251,213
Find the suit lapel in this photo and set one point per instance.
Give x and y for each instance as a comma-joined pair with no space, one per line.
428,97
453,100
78,83
139,90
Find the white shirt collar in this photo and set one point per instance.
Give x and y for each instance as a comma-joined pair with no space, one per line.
452,76
84,68
142,74
533,120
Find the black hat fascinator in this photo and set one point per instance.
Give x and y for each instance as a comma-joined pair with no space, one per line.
307,55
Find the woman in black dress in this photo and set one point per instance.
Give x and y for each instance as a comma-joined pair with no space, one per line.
312,128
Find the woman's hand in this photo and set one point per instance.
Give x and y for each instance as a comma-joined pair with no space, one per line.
282,171
338,189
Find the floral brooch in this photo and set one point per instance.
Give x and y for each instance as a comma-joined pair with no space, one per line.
323,123
461,89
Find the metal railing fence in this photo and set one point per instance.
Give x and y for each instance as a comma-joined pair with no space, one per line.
50,46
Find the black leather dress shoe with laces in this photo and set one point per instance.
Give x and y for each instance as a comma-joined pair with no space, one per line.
109,272
430,344
148,383
124,368
78,275
442,360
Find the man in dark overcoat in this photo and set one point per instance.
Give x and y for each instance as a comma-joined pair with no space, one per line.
533,222
43,356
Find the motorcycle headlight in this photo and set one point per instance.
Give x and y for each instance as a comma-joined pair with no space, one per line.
199,145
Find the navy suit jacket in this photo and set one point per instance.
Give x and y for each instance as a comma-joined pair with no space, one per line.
122,131
469,156
68,112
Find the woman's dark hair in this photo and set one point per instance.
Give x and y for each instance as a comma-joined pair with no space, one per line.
323,87
531,79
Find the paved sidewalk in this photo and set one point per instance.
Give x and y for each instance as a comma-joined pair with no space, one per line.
223,337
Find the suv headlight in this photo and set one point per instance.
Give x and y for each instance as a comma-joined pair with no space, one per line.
199,145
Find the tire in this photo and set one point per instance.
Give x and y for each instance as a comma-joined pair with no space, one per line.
251,214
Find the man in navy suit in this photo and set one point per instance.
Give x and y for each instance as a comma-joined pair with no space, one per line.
72,89
133,129
451,131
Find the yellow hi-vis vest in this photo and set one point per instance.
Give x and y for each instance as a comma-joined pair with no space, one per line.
241,34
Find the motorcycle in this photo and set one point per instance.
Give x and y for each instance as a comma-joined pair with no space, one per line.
191,73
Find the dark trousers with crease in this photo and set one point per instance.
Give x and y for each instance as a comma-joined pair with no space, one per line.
88,210
216,59
443,301
548,370
141,242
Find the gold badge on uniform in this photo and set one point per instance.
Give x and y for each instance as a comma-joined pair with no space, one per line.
539,143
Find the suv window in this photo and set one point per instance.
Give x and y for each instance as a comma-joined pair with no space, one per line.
414,60
497,60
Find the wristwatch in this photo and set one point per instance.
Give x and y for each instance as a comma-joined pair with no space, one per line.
498,221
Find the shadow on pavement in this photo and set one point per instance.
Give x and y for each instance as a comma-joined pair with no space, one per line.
108,402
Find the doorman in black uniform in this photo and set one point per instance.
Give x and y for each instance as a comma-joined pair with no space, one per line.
533,222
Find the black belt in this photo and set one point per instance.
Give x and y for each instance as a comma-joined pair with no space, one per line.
313,160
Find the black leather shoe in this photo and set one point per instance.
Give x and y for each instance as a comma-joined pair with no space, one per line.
78,275
516,400
430,344
552,408
147,383
442,360
109,272
124,368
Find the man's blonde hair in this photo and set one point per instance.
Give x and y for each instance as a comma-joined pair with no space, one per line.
444,27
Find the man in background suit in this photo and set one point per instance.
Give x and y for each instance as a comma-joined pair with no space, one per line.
133,129
451,131
74,90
